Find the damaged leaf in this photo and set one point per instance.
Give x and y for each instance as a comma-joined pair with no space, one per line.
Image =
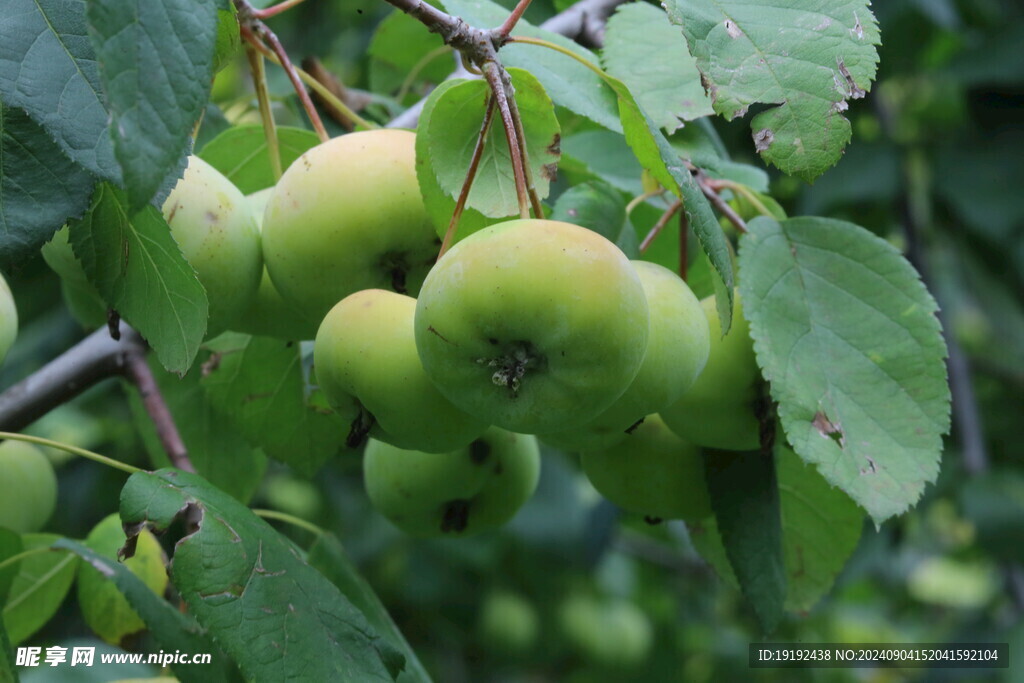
809,58
273,613
848,337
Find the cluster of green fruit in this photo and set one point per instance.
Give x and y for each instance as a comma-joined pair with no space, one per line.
528,327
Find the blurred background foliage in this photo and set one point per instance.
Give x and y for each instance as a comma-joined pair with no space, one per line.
574,590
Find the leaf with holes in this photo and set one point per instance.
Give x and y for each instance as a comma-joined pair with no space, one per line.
241,154
48,68
821,526
645,51
40,188
847,335
452,134
156,65
569,83
272,612
140,272
806,56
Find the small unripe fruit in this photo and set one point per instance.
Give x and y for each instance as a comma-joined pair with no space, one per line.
651,472
718,410
613,633
463,492
532,325
213,225
8,319
508,623
346,216
28,487
366,364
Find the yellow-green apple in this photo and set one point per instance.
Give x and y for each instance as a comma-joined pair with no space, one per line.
508,623
28,487
651,472
532,325
718,410
8,319
105,609
366,364
347,215
614,632
677,348
268,315
462,492
214,227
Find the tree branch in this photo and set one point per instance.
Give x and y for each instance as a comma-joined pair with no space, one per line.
94,359
720,204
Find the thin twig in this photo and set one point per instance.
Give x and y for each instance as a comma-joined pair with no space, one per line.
74,450
491,73
722,206
137,371
261,32
660,225
259,78
474,164
641,198
510,23
289,519
275,9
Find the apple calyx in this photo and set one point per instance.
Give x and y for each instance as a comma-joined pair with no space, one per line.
360,427
456,515
512,367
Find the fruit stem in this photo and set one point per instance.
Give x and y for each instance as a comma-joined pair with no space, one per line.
275,9
259,78
672,210
493,72
719,203
255,32
517,120
289,519
138,373
102,459
15,559
748,194
510,23
474,164
640,199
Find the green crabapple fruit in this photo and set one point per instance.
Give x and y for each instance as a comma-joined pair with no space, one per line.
718,410
532,325
28,487
459,493
105,609
508,623
268,315
347,215
613,633
677,349
213,225
366,364
8,319
651,472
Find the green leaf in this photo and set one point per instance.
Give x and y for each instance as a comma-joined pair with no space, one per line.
39,588
258,382
598,206
171,629
48,68
806,56
745,497
646,52
10,545
104,608
156,66
8,674
994,503
138,269
655,154
398,46
241,154
329,557
40,188
440,206
605,155
278,617
215,446
821,526
566,81
453,130
847,335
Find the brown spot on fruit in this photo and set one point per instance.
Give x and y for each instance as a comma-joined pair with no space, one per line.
455,516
